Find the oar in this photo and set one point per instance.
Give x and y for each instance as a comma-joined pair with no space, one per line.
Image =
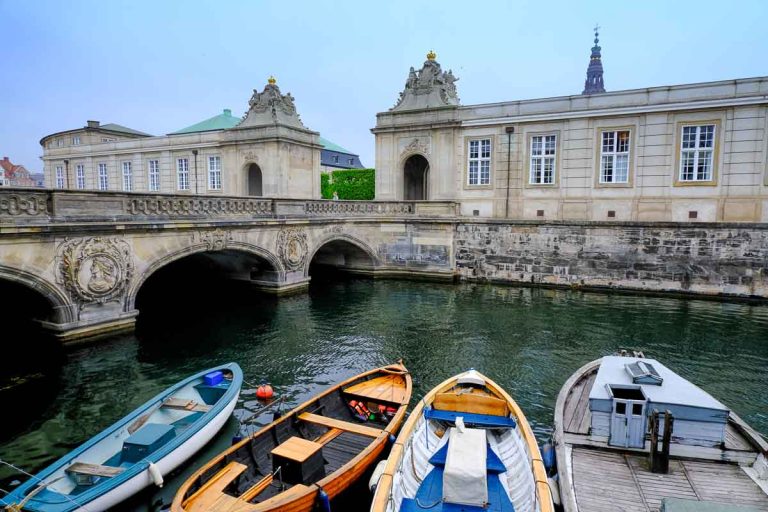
141,420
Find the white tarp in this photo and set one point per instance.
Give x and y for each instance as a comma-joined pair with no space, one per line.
464,479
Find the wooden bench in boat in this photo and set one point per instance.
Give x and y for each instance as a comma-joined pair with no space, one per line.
213,489
389,388
346,426
477,403
185,404
84,468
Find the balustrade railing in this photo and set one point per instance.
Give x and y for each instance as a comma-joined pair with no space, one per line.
34,206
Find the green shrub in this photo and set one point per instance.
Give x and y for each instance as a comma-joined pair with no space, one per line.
349,184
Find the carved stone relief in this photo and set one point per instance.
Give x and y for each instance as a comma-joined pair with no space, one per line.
251,156
95,269
429,87
418,145
215,240
292,248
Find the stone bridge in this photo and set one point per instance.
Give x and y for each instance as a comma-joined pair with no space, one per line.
89,253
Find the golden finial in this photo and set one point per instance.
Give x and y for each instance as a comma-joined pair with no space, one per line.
431,55
271,80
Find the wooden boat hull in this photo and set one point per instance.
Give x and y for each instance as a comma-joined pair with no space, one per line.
132,479
231,481
388,498
594,476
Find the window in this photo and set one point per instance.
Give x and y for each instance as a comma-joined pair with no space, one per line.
214,172
351,161
543,159
621,408
697,144
479,162
59,176
182,173
614,157
59,143
335,159
103,178
80,176
107,139
76,140
154,175
637,409
127,177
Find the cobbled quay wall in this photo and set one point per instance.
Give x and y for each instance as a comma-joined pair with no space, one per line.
728,260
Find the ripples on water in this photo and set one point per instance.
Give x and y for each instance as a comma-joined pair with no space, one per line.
528,340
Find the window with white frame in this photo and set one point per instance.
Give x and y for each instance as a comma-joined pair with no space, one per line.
542,167
154,175
214,172
697,145
182,173
59,143
614,157
76,140
103,177
80,176
479,162
59,176
127,177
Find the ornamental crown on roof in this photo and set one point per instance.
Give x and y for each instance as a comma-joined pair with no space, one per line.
429,87
271,107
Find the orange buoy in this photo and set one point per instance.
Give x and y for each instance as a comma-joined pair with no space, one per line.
264,391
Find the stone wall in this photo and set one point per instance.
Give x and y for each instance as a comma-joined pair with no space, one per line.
710,259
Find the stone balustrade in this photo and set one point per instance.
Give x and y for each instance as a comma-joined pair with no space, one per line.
33,206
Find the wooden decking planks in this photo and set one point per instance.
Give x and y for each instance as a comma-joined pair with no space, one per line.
388,388
608,481
576,415
734,440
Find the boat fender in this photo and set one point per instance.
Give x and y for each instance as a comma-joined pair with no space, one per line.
378,471
154,473
392,438
548,456
325,501
236,439
554,490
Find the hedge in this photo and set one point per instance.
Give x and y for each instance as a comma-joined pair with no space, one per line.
349,184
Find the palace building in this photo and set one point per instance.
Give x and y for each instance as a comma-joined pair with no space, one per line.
268,152
693,152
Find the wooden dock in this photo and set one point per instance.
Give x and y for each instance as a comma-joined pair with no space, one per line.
599,478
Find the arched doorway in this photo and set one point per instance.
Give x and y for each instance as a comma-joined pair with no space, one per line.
415,176
254,181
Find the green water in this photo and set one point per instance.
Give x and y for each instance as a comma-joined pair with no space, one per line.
528,340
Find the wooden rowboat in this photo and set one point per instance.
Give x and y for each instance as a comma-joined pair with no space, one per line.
467,446
314,452
138,450
612,415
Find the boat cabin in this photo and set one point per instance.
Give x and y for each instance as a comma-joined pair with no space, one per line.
627,390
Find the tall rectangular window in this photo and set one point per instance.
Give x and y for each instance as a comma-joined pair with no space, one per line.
182,173
80,176
59,176
542,168
479,162
214,172
76,140
614,157
697,145
127,177
154,175
103,177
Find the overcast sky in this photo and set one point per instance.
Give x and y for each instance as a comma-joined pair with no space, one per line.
161,65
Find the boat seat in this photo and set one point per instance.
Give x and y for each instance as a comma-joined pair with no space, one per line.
471,419
430,495
493,463
85,468
210,491
346,426
185,404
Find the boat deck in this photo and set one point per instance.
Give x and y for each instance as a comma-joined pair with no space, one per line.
610,479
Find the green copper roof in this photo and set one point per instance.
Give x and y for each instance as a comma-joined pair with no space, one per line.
220,122
119,128
330,146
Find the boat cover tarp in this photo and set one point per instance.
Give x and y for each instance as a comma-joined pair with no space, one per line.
464,478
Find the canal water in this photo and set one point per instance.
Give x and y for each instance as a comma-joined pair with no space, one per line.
528,340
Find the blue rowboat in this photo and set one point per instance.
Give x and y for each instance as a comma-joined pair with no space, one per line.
138,450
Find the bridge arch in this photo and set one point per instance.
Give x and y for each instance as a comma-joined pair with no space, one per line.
342,251
258,254
63,310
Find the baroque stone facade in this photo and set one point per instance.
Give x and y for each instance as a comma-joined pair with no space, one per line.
684,153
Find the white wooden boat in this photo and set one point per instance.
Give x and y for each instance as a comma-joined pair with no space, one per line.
604,437
138,450
468,447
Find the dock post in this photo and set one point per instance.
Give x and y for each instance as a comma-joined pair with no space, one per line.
654,448
669,423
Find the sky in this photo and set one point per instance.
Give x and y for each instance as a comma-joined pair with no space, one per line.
158,66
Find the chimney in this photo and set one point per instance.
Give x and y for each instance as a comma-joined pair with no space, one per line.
227,112
5,159
93,124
